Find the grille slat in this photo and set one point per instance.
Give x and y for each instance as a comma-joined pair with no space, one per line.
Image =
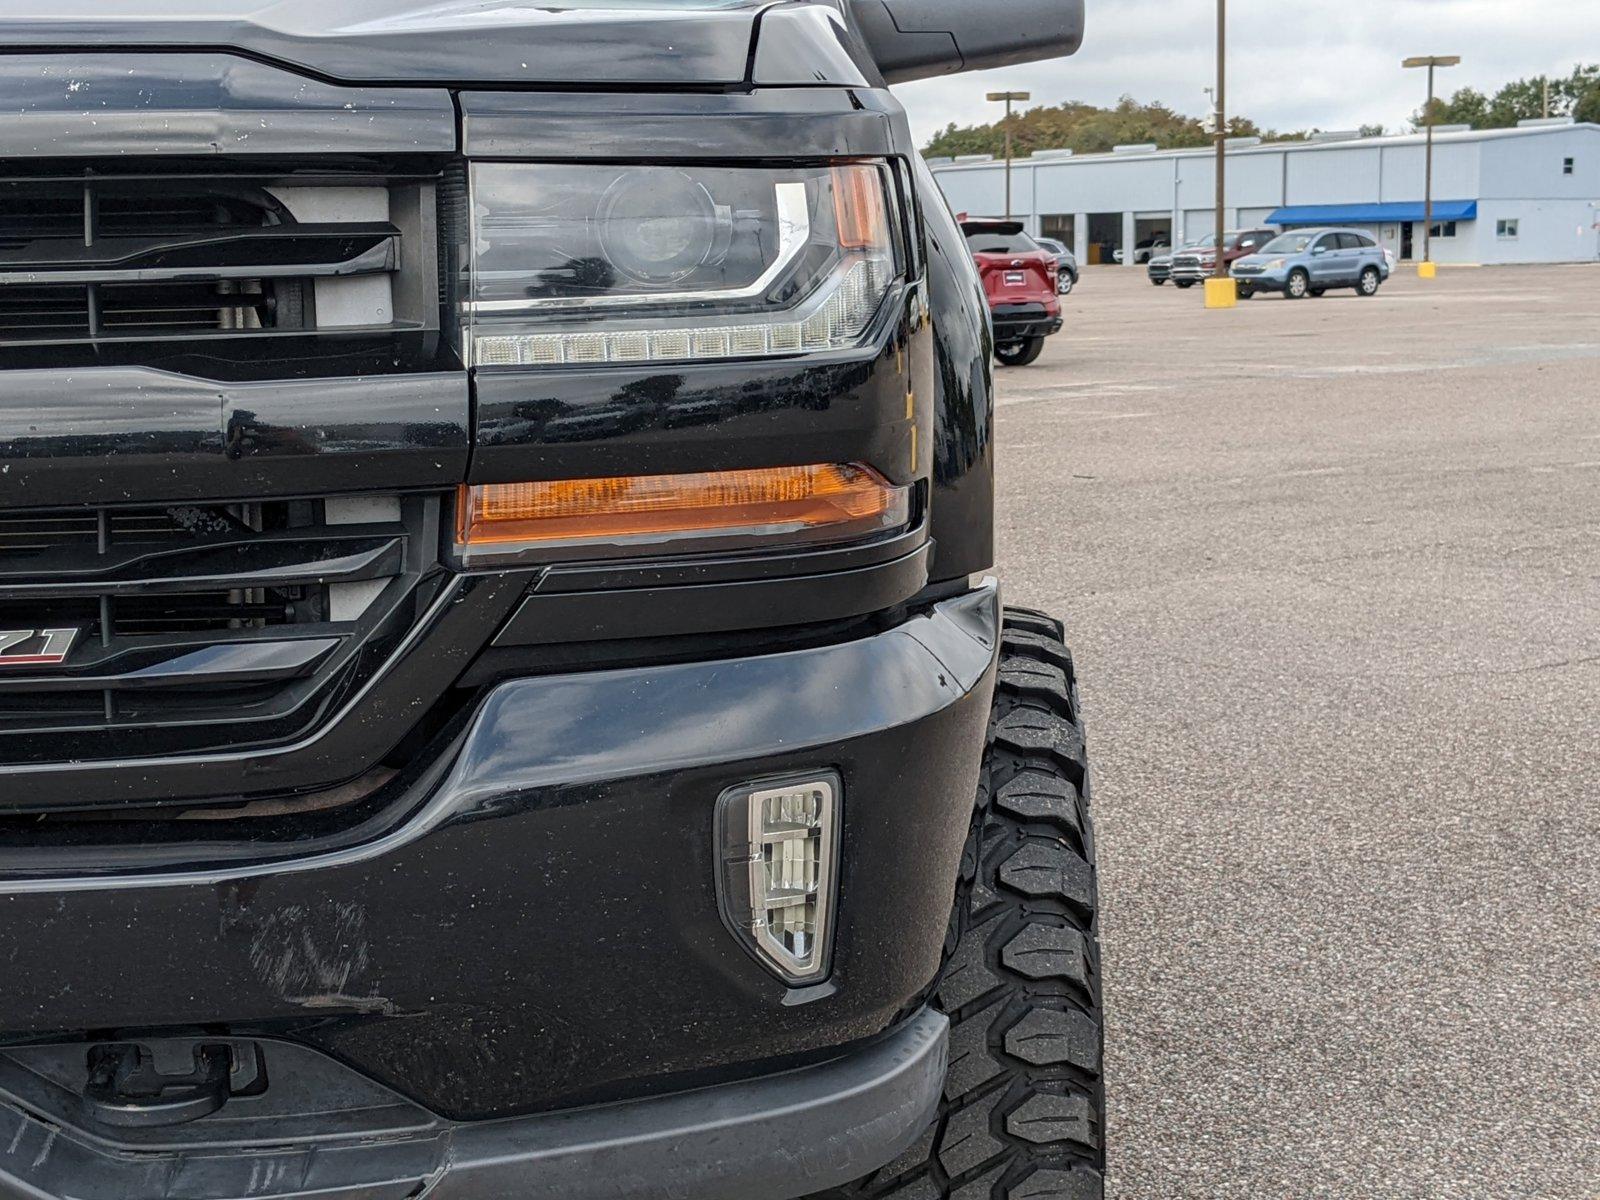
43,224
36,531
142,593
130,260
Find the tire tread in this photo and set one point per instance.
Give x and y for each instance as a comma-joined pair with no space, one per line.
1023,1114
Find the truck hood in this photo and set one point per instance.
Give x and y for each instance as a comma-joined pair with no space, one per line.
467,42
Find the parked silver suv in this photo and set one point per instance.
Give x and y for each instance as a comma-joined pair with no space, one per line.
1066,264
1310,262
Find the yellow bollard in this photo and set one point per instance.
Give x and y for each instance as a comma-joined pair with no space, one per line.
1222,293
1427,270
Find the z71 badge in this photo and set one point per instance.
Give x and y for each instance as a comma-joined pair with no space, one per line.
35,647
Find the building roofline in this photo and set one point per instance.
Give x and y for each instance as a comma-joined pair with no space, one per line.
1400,139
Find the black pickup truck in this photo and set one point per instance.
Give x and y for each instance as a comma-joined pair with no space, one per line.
500,689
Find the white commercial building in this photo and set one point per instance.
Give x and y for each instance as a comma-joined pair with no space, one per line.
1524,195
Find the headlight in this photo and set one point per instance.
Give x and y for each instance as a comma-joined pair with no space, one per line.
582,264
1276,264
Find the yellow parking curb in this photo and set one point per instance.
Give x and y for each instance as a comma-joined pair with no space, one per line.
1222,293
1427,270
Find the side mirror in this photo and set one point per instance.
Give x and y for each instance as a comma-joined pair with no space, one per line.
1319,249
918,39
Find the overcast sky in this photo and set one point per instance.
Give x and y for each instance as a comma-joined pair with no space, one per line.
1293,64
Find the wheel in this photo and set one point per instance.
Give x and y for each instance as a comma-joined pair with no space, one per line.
1369,283
1020,354
1298,286
1158,282
1023,1116
1066,284
1318,293
1184,283
1246,291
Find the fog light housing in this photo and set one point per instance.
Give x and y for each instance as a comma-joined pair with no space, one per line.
778,854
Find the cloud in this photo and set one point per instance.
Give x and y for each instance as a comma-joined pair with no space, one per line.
1332,64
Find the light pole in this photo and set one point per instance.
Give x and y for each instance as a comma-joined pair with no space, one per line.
1221,291
1221,269
1432,62
1009,98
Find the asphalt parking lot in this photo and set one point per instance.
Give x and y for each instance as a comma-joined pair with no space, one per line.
1332,570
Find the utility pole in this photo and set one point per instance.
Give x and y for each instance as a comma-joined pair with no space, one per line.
1221,269
1432,62
1009,97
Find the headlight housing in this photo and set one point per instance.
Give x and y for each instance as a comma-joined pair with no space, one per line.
580,264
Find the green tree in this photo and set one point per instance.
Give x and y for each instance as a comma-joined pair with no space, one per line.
1086,129
1467,107
1588,107
1520,100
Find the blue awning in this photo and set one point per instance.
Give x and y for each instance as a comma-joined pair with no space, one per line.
1372,214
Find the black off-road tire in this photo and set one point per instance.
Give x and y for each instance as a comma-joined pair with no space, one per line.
1020,354
1023,1116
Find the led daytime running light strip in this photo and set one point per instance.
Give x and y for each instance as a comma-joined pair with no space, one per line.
838,323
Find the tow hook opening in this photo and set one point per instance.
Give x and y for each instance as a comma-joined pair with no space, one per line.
132,1085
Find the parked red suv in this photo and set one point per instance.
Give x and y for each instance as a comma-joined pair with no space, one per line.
1021,280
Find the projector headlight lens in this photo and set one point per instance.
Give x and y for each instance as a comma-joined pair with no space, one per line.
661,226
592,265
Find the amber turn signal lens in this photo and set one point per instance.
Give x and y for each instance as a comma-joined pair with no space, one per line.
782,505
859,209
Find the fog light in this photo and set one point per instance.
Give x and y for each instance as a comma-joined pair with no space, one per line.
779,852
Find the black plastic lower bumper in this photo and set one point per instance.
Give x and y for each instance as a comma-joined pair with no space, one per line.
1018,323
772,1138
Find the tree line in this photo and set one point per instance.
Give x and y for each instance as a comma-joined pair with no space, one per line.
1090,129
1085,129
1576,95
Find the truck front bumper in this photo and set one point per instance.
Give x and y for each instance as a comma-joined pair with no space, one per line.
527,959
776,1137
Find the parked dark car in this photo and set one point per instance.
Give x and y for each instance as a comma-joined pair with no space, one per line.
1022,285
501,688
1193,266
1066,264
1312,262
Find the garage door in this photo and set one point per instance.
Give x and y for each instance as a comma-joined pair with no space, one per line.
1198,222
